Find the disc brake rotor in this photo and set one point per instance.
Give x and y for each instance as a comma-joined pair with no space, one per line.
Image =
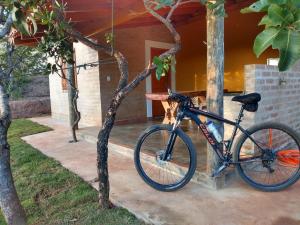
159,158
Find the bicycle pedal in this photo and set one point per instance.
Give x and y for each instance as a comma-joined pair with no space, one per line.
219,170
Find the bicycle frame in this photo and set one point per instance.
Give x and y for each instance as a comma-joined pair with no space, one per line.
193,113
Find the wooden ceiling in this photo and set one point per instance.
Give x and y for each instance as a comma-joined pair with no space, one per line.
92,17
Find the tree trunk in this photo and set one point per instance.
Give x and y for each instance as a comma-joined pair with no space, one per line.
72,98
215,80
9,201
102,151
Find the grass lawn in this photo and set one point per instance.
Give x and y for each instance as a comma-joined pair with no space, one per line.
51,194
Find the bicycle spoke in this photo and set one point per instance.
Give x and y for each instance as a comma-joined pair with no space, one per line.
277,163
168,172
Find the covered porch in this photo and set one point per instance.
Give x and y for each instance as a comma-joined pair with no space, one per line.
140,38
126,136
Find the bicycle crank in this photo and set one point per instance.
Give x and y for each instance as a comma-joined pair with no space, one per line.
220,170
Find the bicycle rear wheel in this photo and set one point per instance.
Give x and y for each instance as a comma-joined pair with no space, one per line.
276,165
170,174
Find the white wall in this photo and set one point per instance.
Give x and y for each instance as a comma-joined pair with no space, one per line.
89,102
59,99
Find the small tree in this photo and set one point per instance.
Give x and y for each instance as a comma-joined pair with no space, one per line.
27,62
9,201
22,16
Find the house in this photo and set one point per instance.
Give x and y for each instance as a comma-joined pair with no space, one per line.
140,37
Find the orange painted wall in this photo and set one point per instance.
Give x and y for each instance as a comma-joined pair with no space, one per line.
240,32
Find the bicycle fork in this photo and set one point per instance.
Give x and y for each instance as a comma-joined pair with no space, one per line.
171,142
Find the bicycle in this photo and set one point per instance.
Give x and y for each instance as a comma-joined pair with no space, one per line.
266,156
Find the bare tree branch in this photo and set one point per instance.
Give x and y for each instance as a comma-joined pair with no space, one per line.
172,10
189,1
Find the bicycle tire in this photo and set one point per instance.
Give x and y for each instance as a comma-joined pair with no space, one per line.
191,151
241,171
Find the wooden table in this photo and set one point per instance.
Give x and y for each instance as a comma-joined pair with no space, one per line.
170,107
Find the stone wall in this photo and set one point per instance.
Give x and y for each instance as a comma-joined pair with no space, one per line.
32,107
34,101
38,86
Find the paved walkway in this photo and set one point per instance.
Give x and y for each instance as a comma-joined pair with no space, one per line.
237,204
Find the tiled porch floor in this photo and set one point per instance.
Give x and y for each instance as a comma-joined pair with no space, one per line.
127,136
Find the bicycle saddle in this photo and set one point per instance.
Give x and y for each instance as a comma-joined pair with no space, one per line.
252,98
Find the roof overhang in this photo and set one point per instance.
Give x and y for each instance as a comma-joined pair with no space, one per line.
91,17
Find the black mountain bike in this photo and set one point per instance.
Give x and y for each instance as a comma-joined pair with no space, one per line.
266,155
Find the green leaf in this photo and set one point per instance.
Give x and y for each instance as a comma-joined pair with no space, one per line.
24,27
20,21
264,40
163,3
17,4
259,6
287,42
296,23
279,15
159,71
296,3
266,21
157,61
278,2
34,25
16,14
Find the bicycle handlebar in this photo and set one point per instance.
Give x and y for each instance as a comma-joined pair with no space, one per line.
182,99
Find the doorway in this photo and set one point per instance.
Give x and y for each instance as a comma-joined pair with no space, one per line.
159,86
153,48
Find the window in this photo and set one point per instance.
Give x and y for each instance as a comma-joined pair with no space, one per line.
64,81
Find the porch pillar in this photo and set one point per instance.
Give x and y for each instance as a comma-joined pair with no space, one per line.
215,81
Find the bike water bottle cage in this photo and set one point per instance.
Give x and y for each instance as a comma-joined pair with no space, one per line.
249,101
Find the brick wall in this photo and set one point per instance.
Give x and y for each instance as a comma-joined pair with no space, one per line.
280,92
131,42
59,99
89,102
96,89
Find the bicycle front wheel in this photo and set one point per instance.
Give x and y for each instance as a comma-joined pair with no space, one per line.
270,161
172,173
